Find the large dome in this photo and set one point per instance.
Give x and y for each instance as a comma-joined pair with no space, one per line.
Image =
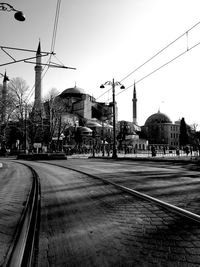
74,91
157,118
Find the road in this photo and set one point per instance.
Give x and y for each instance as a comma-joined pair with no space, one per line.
85,222
15,182
176,183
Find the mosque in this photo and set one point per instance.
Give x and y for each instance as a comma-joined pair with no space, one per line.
82,111
160,131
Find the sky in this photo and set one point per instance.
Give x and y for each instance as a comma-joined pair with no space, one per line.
109,39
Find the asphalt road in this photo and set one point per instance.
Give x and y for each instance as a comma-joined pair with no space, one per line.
87,223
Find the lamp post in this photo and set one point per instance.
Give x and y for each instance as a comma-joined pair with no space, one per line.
18,14
25,128
113,84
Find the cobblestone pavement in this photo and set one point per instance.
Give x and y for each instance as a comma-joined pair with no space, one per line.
173,182
176,184
15,183
87,223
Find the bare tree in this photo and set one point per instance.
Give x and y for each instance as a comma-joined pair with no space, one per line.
13,104
57,109
18,90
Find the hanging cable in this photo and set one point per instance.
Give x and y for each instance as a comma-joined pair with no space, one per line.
159,52
162,66
53,36
55,26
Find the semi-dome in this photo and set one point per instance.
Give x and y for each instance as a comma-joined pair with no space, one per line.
157,118
74,91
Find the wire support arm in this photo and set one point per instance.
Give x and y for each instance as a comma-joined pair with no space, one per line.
25,50
20,60
52,65
5,49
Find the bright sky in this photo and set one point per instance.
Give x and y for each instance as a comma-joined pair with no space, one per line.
106,39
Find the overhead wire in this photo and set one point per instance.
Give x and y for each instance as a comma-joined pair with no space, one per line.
160,51
154,56
162,66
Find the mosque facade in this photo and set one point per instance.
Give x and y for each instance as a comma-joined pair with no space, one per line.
161,132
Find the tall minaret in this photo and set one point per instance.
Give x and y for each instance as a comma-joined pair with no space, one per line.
38,81
4,96
134,105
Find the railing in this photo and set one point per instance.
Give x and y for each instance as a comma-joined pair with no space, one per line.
140,154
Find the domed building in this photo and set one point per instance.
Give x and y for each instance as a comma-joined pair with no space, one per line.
160,131
76,101
80,118
158,118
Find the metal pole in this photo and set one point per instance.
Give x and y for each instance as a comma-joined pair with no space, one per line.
103,148
114,155
25,134
93,139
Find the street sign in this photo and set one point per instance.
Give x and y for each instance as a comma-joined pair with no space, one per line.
37,145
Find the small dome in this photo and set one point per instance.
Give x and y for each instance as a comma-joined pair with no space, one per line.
158,118
93,124
85,131
74,91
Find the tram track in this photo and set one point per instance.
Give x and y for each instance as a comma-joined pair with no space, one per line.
85,221
172,208
23,250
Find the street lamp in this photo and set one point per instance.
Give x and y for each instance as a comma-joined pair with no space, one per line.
7,7
113,84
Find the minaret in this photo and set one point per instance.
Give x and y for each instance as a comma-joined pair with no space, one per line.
4,94
38,82
134,105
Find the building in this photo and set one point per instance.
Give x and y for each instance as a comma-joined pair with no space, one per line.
76,101
82,118
160,131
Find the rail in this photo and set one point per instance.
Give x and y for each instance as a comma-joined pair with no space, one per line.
172,208
22,250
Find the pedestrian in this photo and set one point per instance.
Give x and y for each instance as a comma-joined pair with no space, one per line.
153,151
187,150
164,150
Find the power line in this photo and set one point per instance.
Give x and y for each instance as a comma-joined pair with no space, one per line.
162,66
154,56
55,25
160,51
